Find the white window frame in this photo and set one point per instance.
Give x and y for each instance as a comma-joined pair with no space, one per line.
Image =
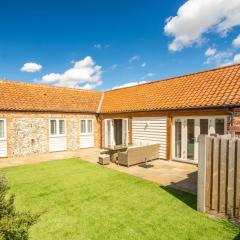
4,130
86,124
211,130
57,127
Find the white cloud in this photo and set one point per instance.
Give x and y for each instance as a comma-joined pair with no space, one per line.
130,84
219,58
114,66
84,74
236,58
134,58
98,46
210,52
143,64
148,75
196,17
31,67
90,86
236,42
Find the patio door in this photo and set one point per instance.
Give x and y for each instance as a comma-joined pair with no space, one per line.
109,133
186,131
116,132
125,131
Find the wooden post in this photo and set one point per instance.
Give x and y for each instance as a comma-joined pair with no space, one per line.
209,149
201,174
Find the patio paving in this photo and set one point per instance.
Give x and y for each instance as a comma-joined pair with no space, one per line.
178,175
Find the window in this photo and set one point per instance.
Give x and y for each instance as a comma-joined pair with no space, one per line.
83,126
89,129
219,126
86,126
57,127
53,127
2,128
61,127
204,126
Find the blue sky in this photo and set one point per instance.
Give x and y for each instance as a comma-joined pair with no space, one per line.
104,44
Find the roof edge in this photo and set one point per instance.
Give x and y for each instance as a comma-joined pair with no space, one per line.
100,103
50,111
175,109
47,86
177,76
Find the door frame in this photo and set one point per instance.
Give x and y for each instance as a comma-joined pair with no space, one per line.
211,130
112,140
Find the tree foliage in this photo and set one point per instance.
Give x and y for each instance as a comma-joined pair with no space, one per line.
14,225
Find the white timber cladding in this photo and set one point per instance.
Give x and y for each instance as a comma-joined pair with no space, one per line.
57,135
148,130
86,133
3,138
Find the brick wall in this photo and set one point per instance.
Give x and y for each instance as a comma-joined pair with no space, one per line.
234,122
28,133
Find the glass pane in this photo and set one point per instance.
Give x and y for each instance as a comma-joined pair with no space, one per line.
1,129
83,126
219,126
89,126
109,133
61,126
190,139
178,138
124,132
204,126
53,127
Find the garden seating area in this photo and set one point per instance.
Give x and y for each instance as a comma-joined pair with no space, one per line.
131,155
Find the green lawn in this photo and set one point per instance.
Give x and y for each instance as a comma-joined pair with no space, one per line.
80,200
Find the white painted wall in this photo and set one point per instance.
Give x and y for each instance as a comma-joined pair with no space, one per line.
86,141
58,143
147,130
3,148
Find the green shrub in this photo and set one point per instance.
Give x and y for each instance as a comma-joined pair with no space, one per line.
14,225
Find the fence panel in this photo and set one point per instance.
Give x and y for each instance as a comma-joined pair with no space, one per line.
219,175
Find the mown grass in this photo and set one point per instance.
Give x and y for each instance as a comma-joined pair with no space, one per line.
80,200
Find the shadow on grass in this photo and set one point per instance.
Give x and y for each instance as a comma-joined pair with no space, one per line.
237,237
187,198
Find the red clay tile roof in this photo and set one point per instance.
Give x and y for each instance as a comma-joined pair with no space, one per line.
35,97
212,88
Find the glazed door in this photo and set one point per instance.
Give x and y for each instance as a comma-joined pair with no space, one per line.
190,139
109,133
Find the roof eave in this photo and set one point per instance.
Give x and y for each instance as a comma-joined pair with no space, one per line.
174,109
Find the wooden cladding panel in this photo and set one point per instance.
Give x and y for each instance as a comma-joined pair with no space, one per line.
222,175
237,187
